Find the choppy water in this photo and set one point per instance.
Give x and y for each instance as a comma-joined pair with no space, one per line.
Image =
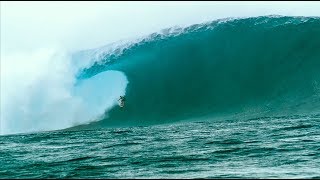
270,147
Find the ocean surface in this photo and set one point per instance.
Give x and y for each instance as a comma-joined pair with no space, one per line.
269,147
231,98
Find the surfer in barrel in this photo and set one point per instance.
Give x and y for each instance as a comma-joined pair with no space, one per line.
121,101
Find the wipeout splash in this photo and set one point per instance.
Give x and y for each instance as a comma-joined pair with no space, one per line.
39,92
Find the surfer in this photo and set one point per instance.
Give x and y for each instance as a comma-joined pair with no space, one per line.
121,101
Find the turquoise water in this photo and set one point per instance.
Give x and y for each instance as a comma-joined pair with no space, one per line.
270,147
232,98
237,68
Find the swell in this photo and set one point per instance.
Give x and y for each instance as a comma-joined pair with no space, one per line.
240,68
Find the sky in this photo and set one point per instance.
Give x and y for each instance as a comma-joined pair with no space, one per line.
81,25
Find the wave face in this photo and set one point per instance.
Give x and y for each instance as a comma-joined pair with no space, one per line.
231,68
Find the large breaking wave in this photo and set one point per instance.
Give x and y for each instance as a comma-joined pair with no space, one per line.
229,68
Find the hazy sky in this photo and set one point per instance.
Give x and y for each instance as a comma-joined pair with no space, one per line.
80,25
